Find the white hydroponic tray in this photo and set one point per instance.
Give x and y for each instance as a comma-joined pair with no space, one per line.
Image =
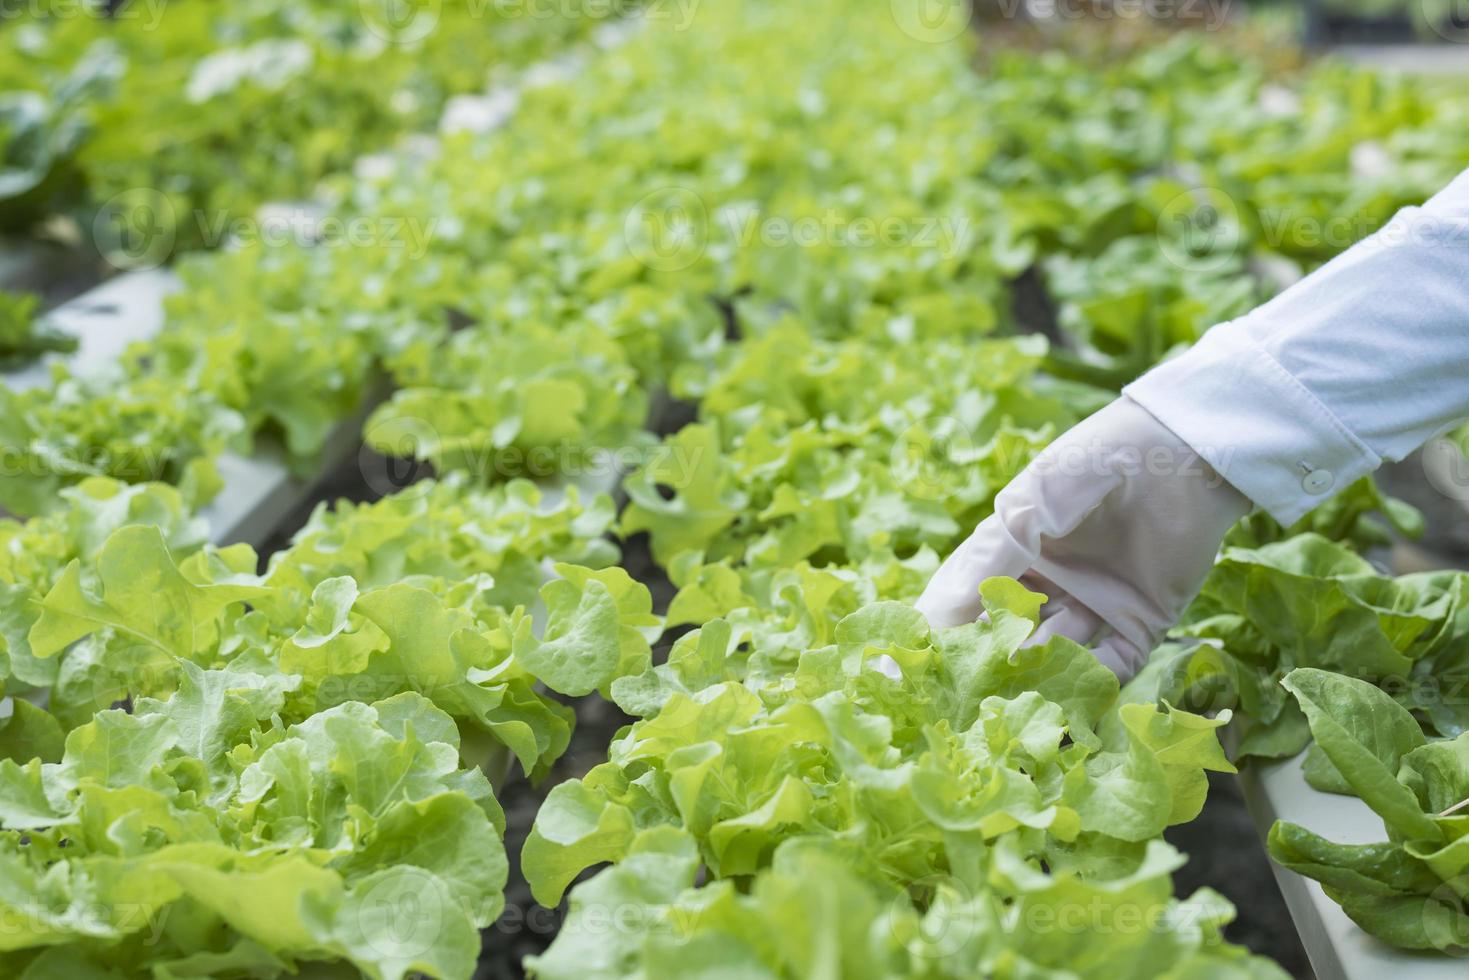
1410,59
259,491
104,320
1338,949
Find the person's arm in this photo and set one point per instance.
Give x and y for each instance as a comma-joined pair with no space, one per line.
1363,361
1119,521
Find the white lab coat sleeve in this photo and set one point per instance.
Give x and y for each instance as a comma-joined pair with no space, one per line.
1364,360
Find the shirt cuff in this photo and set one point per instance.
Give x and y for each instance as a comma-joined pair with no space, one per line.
1264,432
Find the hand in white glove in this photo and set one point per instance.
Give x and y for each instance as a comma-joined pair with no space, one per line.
1118,522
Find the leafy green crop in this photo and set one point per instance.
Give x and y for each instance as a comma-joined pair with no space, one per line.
1306,602
1408,890
308,737
32,556
978,783
22,337
825,746
815,914
128,619
609,210
823,451
821,238
137,429
536,402
206,112
199,833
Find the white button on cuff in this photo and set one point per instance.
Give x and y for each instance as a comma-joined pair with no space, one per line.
1318,482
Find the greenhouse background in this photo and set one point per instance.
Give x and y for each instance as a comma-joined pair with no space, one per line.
467,467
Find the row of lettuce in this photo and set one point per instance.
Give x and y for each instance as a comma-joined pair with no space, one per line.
131,132
585,250
816,237
200,109
235,772
210,771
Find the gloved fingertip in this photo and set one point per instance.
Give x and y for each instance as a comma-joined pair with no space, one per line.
943,612
1070,619
1121,656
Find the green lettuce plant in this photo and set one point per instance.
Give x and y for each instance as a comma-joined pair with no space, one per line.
954,776
201,834
22,336
1408,890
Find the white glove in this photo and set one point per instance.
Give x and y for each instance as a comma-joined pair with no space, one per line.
1117,522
